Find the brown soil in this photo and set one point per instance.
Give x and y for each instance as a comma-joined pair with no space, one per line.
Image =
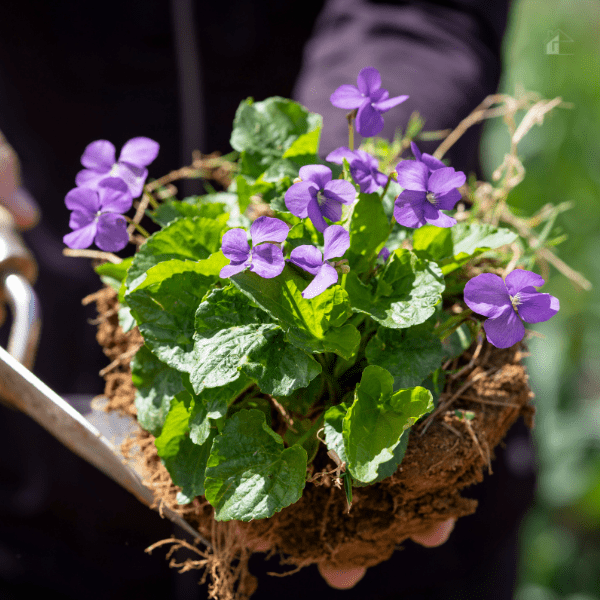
446,453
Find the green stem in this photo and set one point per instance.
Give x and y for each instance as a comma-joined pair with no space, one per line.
325,371
351,116
314,428
385,189
138,226
152,200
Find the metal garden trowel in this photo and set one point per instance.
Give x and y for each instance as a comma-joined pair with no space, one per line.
21,389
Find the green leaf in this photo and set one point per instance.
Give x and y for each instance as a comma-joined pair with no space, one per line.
369,230
333,426
114,274
406,294
211,405
250,475
165,302
264,131
310,444
157,384
308,323
193,238
410,355
194,206
232,336
306,144
175,427
374,423
436,242
471,237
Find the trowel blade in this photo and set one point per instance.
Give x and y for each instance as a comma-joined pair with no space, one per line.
21,389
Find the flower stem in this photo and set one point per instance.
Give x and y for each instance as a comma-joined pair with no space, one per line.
314,428
152,200
351,116
137,226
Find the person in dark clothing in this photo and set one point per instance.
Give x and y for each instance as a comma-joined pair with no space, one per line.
176,72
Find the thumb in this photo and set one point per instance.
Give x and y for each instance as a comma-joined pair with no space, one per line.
340,579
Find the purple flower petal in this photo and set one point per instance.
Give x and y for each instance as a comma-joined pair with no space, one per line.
536,307
268,229
447,201
385,105
363,175
315,215
369,122
368,80
235,245
89,178
139,151
80,219
318,174
115,196
412,175
347,96
504,330
487,295
298,196
431,162
337,156
99,156
519,278
267,260
441,181
326,277
132,175
436,217
308,258
337,241
415,151
331,209
340,190
83,199
409,209
111,233
367,159
233,269
384,254
81,238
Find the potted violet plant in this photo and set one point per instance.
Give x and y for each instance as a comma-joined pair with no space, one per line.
320,349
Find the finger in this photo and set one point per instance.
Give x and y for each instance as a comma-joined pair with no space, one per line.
342,580
22,207
437,535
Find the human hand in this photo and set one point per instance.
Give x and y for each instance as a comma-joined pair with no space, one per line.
13,197
344,580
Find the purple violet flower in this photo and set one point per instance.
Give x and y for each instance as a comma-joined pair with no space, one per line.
508,303
363,168
97,215
309,258
384,254
265,260
426,193
431,162
317,196
370,99
99,160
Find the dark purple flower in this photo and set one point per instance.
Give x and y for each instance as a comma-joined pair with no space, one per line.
317,196
370,99
99,160
508,303
309,258
97,215
265,260
363,168
426,193
384,254
431,162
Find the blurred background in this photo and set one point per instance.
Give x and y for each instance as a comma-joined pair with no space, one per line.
554,48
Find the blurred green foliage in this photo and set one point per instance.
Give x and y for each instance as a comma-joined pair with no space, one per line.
560,538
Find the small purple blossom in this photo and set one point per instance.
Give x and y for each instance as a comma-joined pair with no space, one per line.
264,259
508,303
384,254
370,99
98,215
363,168
99,160
426,193
309,258
431,162
317,196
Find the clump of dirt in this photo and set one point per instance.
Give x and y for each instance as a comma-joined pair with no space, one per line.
447,451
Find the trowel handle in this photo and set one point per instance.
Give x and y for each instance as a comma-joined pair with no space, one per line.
18,272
